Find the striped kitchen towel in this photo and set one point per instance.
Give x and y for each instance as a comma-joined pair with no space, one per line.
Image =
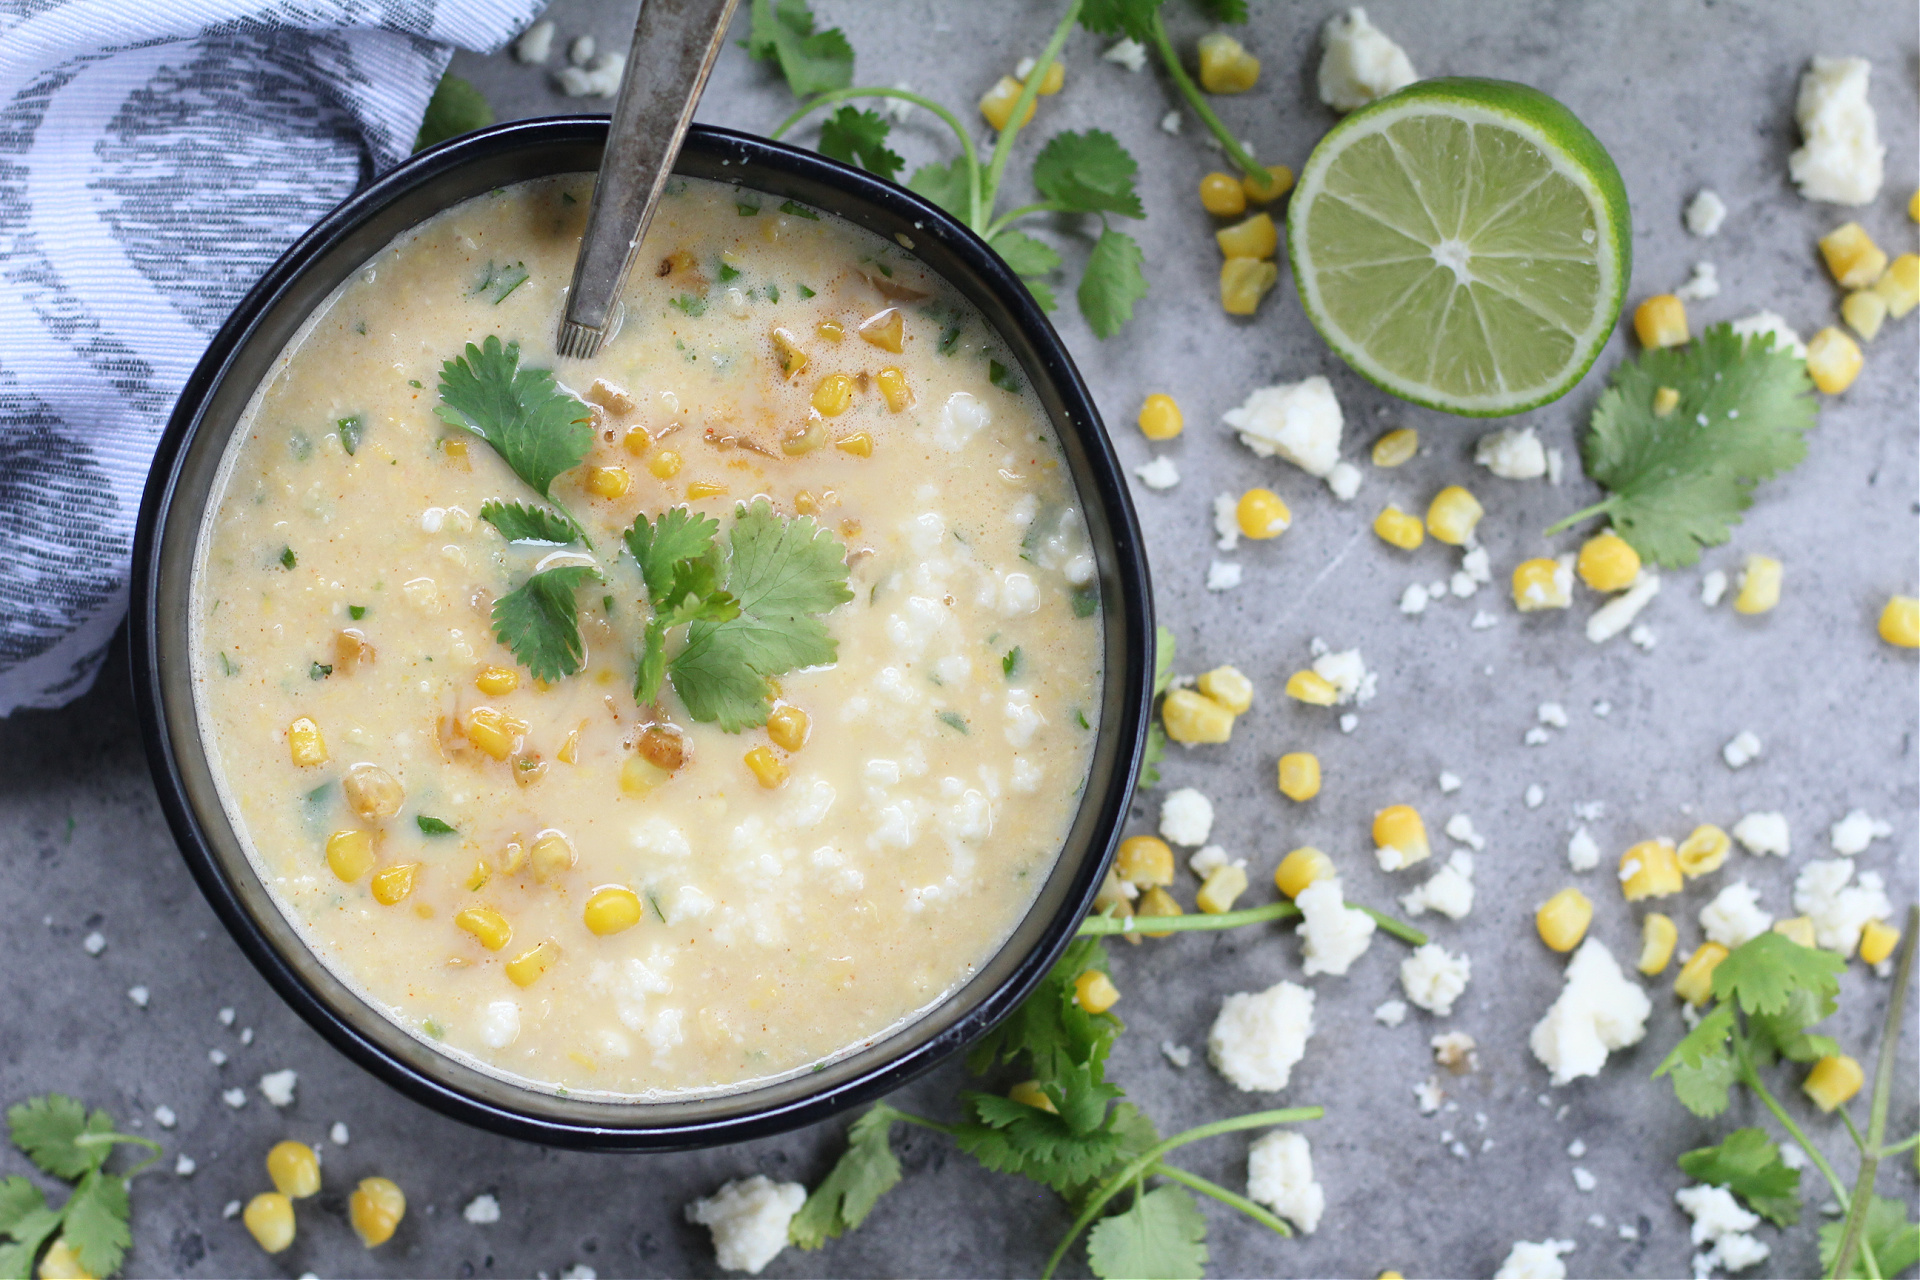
156,156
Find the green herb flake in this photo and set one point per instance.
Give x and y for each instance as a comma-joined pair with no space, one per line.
746,208
319,671
773,293
286,558
433,826
690,304
356,611
727,273
300,445
1086,600
805,292
1002,377
950,337
228,667
414,382
351,430
499,281
1010,664
799,210
955,721
1080,718
432,1029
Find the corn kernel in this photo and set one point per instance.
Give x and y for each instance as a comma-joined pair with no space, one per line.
698,489
1900,622
1900,287
1399,827
1094,991
787,353
1399,529
569,752
833,395
1541,584
1852,256
375,1210
1657,936
488,926
664,465
1661,321
305,744
526,968
478,877
1453,515
372,792
1157,902
1243,282
1052,82
1759,585
1312,688
61,1261
1798,928
1832,1081
608,482
495,681
611,910
1703,851
1222,195
885,329
1562,920
1190,716
1160,417
1262,514
1396,447
492,732
767,767
1694,983
997,103
269,1220
639,775
1264,190
1221,888
1028,1093
1228,687
294,1169
456,454
1112,896
1877,941
351,650
1913,205
894,389
1299,775
1144,862
392,884
350,854
1302,867
831,330
1650,869
1665,401
1255,238
787,725
1608,562
1864,311
1225,64
1833,360
551,856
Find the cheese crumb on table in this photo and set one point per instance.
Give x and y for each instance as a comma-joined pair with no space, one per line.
1598,1010
1512,454
482,1211
1335,934
1449,782
1129,53
1460,828
1347,672
1713,587
165,1117
235,1098
1705,212
1734,916
1344,481
277,1087
1186,817
1178,1054
1210,860
1704,283
749,1218
1536,737
1359,63
535,43
1414,599
1720,1222
1161,473
184,1165
1226,521
1483,621
1390,1013
1853,833
1764,833
1258,1036
1841,160
1536,795
1576,1148
1741,750
1584,1180
1448,891
1434,978
1299,421
338,1134
1535,1260
1222,575
1583,854
1458,1052
1429,1095
1551,713
1171,122
140,996
94,943
1839,909
1280,1176
598,79
1617,614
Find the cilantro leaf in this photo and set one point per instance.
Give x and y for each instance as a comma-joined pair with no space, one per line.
1162,1234
1112,283
537,429
784,568
1050,1029
1088,173
1748,1164
1894,1240
1010,662
20,1201
812,61
1164,645
540,621
1784,1034
45,1129
455,108
1131,18
859,137
1224,10
434,826
657,548
1042,292
351,430
95,1223
946,185
1027,256
1012,1137
1763,973
847,1195
1679,482
519,523
1702,1065
1151,756
652,668
25,1217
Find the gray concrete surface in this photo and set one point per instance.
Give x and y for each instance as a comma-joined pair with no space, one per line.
1684,95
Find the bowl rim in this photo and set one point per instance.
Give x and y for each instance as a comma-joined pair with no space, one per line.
1126,601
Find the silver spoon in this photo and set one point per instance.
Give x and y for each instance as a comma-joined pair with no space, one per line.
674,45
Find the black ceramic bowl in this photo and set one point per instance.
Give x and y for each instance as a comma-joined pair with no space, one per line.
177,497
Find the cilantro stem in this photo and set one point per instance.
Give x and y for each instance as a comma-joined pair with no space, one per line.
1097,926
1883,1072
1224,1196
154,1149
1900,1146
1002,222
1743,1064
1191,92
1597,509
807,108
1029,92
923,1122
1136,1167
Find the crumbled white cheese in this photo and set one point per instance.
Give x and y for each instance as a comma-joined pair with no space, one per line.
184,1166
1171,122
231,1209
1359,62
1584,1180
1583,854
277,1087
1349,722
1210,860
1448,891
1713,587
1280,1176
1178,1054
1226,521
1390,1013
899,108
581,51
1536,795
1222,575
749,1218
535,43
1414,599
500,1021
598,79
218,1057
1186,817
1344,481
1347,672
1531,1260
1603,709
1512,454
1704,283
94,943
1841,161
1536,737
1598,1010
1551,713
1335,934
1556,467
1433,978
1793,1155
1259,1036
1449,782
1742,749
1460,828
1483,621
1617,614
246,1035
1768,323
482,1211
1705,212
1718,1220
338,1134
1577,1148
1853,833
1161,473
1734,916
1839,910
226,1016
1459,1053
1477,564
1429,1095
235,1098
1764,833
165,1117
1300,421
140,996
1129,53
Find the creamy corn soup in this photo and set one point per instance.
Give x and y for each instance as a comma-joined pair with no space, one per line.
738,746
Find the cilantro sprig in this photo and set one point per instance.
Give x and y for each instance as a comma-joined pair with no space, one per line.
1679,481
540,621
537,429
66,1141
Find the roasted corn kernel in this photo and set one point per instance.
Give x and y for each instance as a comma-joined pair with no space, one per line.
997,104
1028,1093
1277,181
372,792
551,856
886,330
859,444
1665,401
1094,991
294,1168
1301,868
1225,64
1864,311
1157,902
1694,983
1900,287
526,968
664,465
894,389
1661,321
1160,417
305,744
492,732
1299,775
1228,687
1759,585
350,854
1398,827
1657,936
787,353
375,1210
833,395
1832,1081
1399,529
1852,256
639,775
1650,869
1608,562
1453,515
1191,716
1900,622
1798,928
612,909
269,1220
1243,282
1702,851
1221,888
608,482
1541,583
495,681
1144,862
1262,514
787,725
392,884
767,767
1877,941
1562,920
1222,195
1257,237
1312,688
488,926
1833,360
1396,447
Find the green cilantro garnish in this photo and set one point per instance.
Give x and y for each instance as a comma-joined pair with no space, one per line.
538,430
433,826
950,336
812,61
518,523
773,293
805,292
1113,282
499,281
798,210
1748,1164
955,721
319,671
727,273
540,621
1163,1234
286,558
1087,173
228,667
1010,664
1886,1233
1002,377
847,1195
1085,600
746,208
356,611
350,430
948,185
455,108
859,137
690,304
1030,259
1678,482
66,1141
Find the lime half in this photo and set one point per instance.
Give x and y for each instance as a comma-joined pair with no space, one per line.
1462,243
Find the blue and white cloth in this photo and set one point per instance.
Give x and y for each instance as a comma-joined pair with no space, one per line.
156,156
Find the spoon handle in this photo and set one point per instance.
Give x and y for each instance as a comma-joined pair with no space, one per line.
674,45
